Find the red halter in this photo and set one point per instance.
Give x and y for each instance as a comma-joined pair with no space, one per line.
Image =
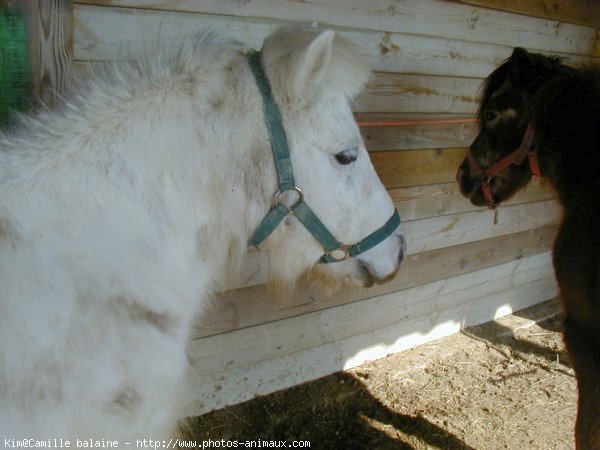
527,148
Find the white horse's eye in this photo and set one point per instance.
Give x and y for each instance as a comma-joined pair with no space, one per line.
346,157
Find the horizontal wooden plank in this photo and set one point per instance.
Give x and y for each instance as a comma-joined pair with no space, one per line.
421,119
416,131
582,12
118,33
417,167
439,232
391,92
236,366
441,19
421,202
414,168
258,304
409,53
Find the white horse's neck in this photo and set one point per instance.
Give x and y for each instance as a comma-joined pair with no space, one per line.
228,138
179,158
248,182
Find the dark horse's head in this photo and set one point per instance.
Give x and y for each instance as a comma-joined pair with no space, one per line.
498,165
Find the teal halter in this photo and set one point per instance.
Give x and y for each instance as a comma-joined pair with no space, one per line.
334,250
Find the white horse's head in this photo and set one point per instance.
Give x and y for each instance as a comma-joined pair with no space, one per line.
314,75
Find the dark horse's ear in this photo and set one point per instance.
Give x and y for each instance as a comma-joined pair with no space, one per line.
521,56
522,66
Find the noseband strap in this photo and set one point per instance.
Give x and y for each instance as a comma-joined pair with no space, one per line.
334,250
516,157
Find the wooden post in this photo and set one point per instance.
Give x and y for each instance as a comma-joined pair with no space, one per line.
50,44
53,23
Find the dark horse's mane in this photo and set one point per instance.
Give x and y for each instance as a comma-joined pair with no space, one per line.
565,112
495,79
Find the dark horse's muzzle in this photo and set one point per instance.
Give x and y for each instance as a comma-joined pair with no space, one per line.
516,157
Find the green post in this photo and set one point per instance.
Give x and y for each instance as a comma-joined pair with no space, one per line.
16,83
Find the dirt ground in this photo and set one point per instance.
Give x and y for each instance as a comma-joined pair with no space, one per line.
507,384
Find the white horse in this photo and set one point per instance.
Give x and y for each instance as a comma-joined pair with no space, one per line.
122,210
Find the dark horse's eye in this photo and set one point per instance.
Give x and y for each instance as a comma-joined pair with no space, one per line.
489,115
346,157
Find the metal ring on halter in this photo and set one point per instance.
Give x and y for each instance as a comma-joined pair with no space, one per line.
277,197
341,253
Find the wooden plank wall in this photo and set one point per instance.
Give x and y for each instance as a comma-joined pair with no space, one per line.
429,58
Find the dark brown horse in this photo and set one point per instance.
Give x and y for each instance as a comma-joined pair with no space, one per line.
538,115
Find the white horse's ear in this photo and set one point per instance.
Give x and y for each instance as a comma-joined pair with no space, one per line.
310,67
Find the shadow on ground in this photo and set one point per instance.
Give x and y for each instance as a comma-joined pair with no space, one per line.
340,412
498,335
347,417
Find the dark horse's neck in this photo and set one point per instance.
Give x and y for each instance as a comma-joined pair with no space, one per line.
565,111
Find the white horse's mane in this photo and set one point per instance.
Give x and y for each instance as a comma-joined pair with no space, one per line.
166,70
